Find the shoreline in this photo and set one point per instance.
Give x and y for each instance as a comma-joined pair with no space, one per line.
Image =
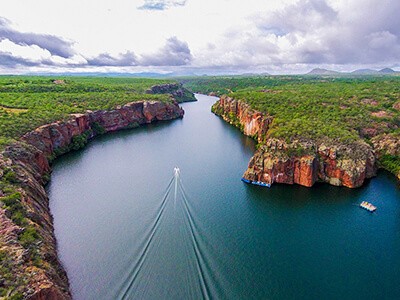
302,162
32,261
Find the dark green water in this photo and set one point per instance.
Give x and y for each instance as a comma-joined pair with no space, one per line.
228,240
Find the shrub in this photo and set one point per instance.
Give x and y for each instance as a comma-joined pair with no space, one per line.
390,163
10,176
16,296
79,141
28,237
97,128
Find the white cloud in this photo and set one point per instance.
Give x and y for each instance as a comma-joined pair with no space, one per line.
174,53
33,53
207,34
161,4
312,32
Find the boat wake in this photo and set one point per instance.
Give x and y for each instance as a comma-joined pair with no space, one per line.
194,276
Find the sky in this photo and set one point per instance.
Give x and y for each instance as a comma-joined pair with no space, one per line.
198,36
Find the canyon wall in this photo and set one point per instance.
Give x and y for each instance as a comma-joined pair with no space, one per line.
387,145
177,90
302,162
28,253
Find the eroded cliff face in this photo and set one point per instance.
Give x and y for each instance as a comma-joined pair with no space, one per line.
302,162
239,114
32,267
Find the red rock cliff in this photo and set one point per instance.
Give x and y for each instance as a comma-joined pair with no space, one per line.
297,162
29,160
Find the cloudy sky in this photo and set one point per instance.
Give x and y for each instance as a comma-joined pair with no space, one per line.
198,36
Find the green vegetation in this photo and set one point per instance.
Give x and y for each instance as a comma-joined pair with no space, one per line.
98,129
78,142
13,205
391,163
28,102
8,281
28,237
337,109
220,85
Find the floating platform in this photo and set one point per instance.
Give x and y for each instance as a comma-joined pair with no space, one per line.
368,206
259,183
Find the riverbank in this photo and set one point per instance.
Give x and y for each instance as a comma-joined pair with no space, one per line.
30,266
284,242
304,161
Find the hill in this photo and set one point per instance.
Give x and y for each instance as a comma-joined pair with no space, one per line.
319,71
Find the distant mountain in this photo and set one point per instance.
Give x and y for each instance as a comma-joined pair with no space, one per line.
374,72
319,71
364,72
387,71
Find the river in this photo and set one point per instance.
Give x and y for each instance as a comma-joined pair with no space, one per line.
126,229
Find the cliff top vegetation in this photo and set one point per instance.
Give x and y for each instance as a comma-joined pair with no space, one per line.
27,102
329,108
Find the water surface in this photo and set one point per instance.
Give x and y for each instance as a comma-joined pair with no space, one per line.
223,239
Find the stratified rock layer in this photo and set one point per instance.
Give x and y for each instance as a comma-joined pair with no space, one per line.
302,162
29,160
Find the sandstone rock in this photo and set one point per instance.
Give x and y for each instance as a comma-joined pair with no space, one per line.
58,81
29,160
387,144
254,123
58,135
50,293
300,162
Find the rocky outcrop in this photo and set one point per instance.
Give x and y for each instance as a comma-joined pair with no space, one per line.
33,268
175,89
57,136
305,163
238,113
387,146
302,162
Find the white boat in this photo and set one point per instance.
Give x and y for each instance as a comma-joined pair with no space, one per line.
368,206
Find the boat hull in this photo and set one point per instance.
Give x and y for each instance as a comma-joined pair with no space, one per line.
259,183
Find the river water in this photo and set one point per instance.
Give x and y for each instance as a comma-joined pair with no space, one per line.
126,229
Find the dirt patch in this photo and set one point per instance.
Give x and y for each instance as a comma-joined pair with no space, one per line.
369,132
381,114
396,105
372,102
59,81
